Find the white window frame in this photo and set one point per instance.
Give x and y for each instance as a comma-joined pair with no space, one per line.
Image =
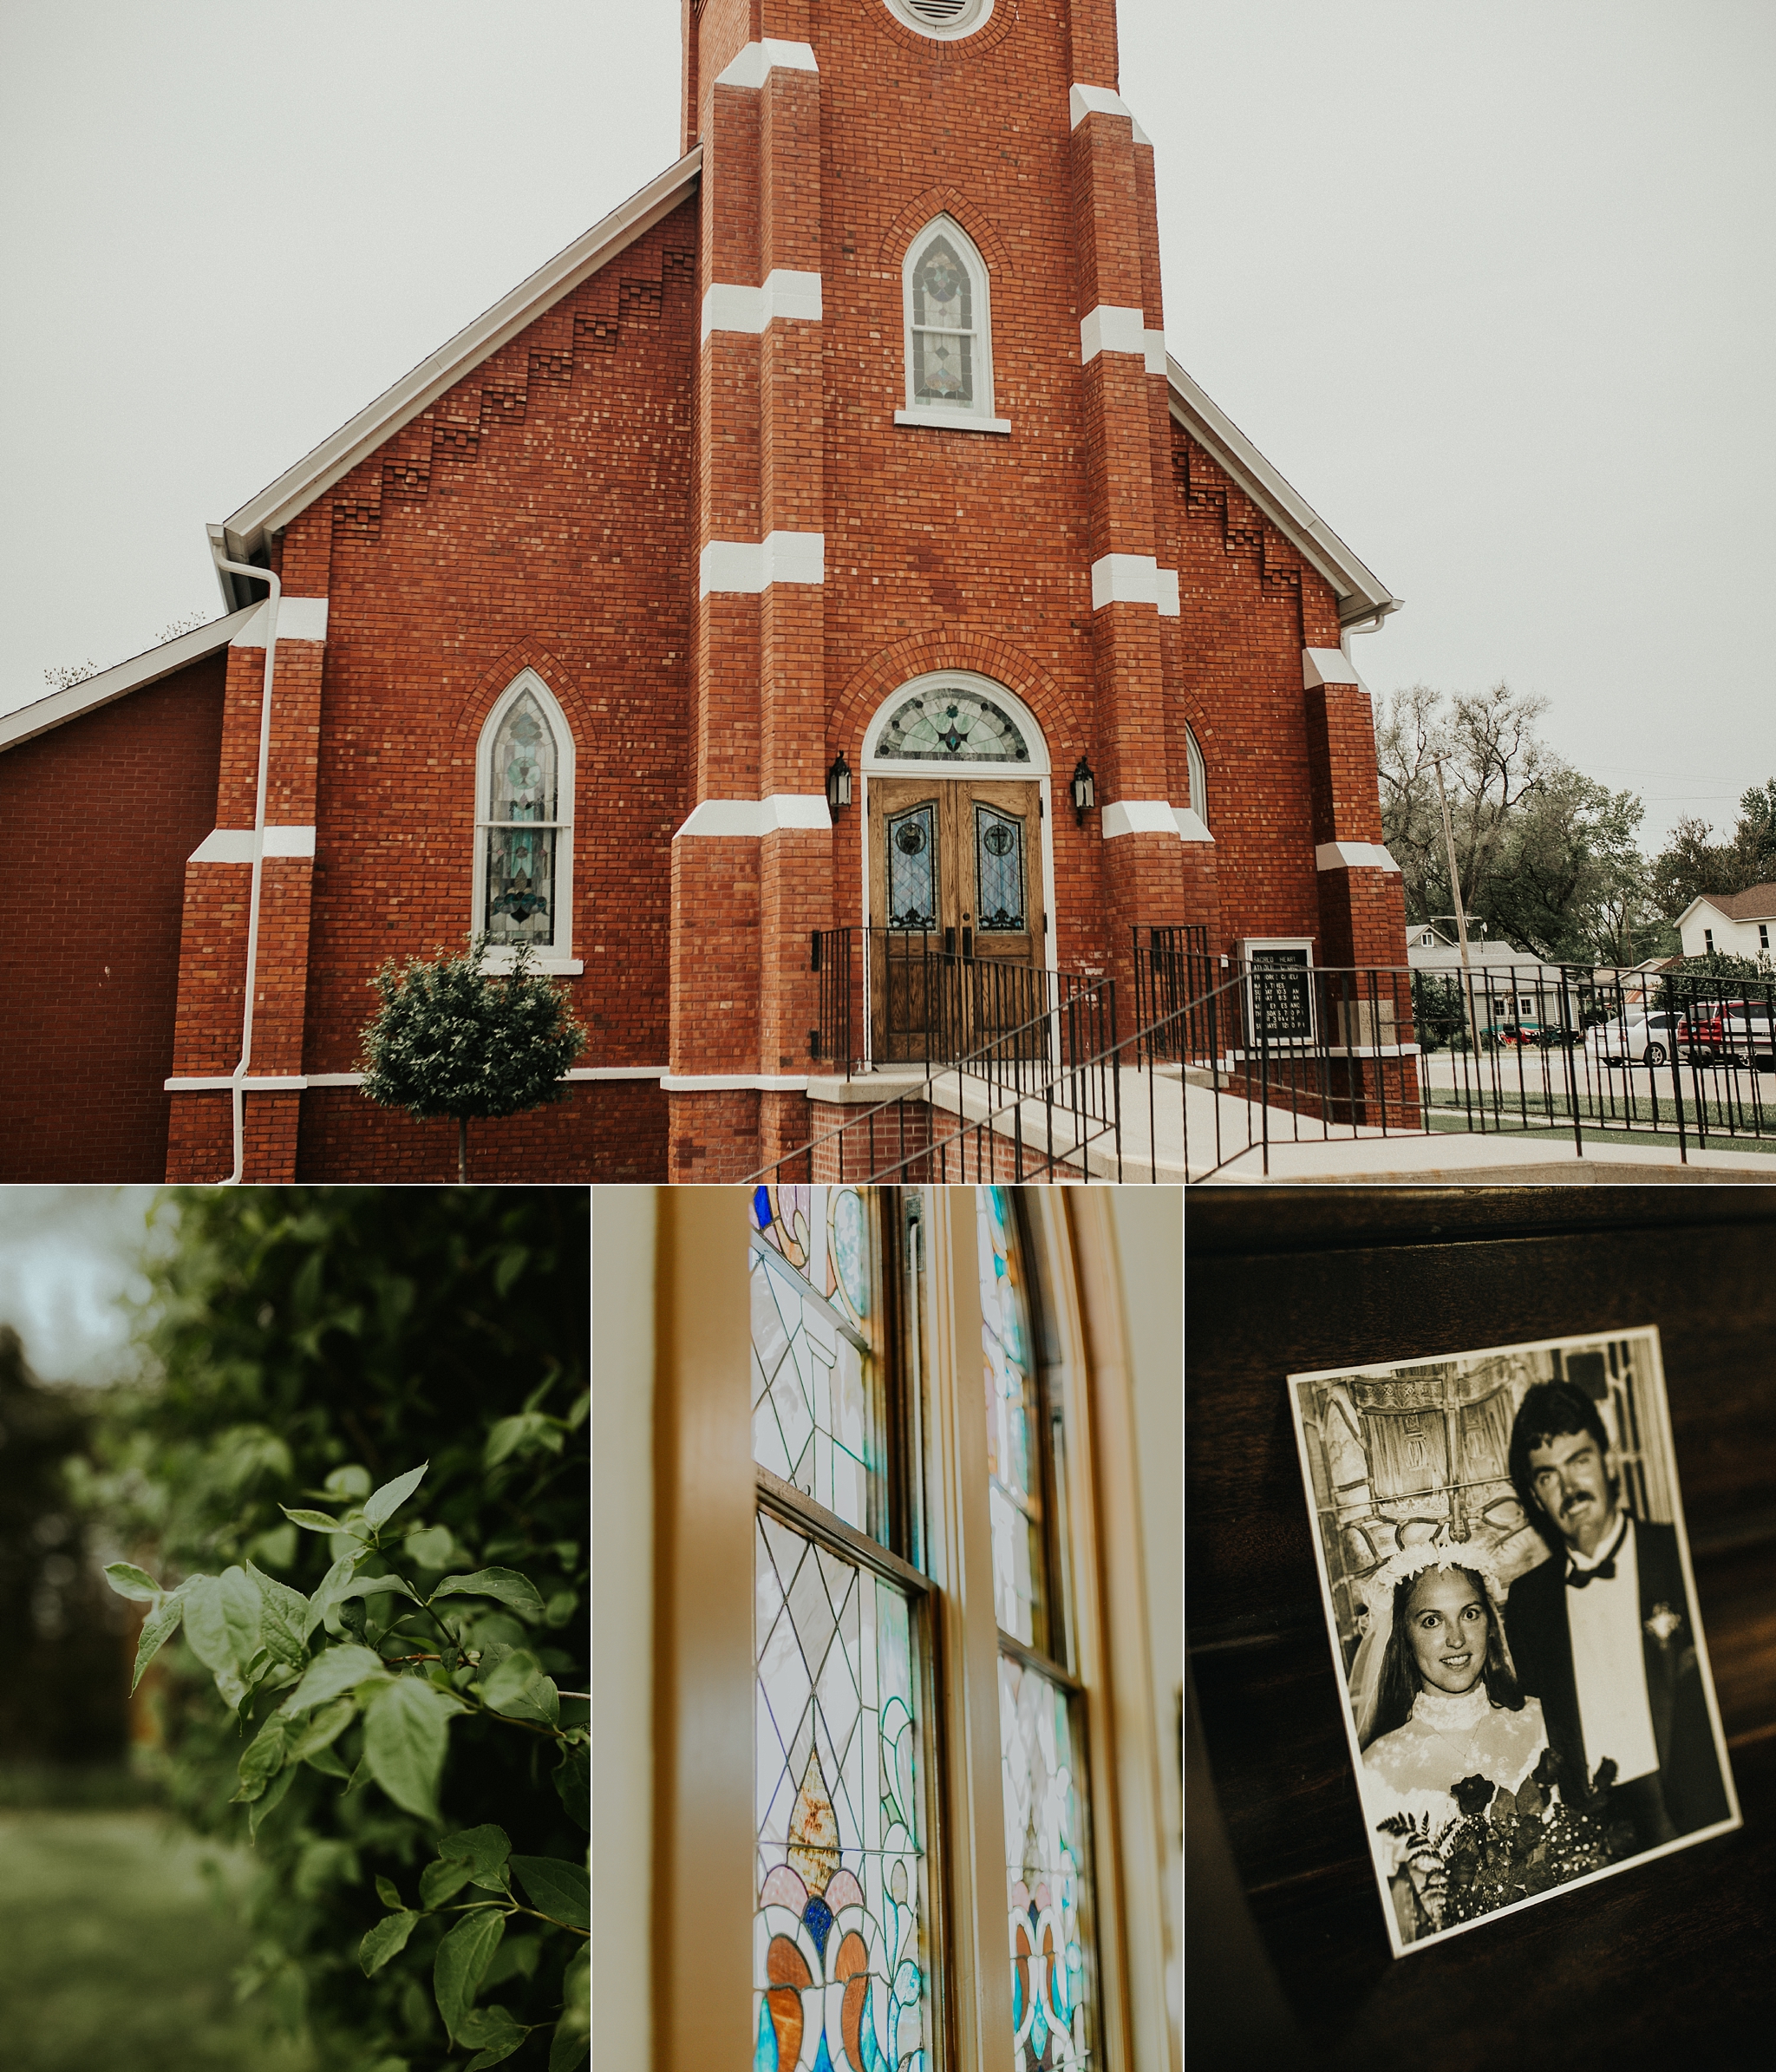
969,15
1198,775
978,415
559,959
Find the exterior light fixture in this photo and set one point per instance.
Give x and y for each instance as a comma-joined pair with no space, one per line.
839,783
1085,796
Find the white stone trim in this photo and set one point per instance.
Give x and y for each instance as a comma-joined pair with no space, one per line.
1354,856
1139,816
235,845
296,1083
502,957
1153,350
1166,598
299,618
1192,827
794,296
1028,725
743,567
1327,665
1133,579
1083,100
755,64
735,1083
952,421
754,818
266,1082
1112,327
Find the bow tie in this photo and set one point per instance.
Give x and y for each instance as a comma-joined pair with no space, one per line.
1580,1578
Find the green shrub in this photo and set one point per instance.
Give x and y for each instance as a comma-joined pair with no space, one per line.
310,1345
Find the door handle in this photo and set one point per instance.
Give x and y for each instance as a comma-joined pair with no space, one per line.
968,945
950,942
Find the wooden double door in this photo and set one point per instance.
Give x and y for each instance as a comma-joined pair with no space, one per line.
958,925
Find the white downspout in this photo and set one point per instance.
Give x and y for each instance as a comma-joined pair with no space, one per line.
238,1092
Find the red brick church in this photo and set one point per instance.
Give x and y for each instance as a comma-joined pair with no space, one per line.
824,541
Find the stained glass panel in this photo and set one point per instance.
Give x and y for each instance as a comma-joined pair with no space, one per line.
816,1399
942,298
522,801
1013,1490
999,872
840,1970
944,368
912,868
1047,1879
952,724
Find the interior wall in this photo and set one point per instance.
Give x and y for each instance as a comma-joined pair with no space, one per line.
623,1226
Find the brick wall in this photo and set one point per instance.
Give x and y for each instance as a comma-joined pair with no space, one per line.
100,816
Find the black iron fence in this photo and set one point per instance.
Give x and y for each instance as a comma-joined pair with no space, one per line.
932,996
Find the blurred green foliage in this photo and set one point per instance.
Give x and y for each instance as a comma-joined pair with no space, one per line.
307,1344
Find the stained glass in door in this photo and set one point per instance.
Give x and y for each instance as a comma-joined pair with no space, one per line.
999,872
912,868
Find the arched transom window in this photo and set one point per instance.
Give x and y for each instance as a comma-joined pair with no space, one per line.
524,828
952,721
949,334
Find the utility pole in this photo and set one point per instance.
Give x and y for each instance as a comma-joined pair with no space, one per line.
1468,982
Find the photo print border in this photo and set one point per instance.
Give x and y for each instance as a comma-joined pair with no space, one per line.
1375,1442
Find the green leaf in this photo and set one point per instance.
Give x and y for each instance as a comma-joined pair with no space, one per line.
323,1730
430,1547
328,1763
387,1939
520,1690
134,1583
462,1959
243,1616
283,1612
332,1588
158,1628
347,1483
311,1521
558,1889
504,1583
573,1783
256,1812
512,1262
405,1731
529,1429
333,1670
568,2050
264,1758
497,2034
372,1586
441,1880
484,1850
383,1506
389,1892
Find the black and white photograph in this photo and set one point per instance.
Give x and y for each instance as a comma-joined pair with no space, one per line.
1509,1594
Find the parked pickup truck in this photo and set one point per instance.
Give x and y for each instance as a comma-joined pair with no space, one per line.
1743,1031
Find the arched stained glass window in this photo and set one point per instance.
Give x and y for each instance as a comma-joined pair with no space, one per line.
524,823
841,1962
948,336
1048,1858
1198,777
951,723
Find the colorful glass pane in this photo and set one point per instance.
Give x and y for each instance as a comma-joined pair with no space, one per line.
522,802
944,368
816,1407
999,872
942,298
1046,1877
840,1969
912,868
952,723
1013,1489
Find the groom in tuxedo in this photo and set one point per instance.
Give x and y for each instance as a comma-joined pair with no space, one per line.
1603,1631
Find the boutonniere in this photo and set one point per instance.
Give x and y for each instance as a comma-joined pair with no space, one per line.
1663,1624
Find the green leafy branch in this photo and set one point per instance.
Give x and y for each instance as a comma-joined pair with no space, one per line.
370,1667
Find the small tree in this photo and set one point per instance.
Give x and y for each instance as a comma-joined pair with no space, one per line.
453,1039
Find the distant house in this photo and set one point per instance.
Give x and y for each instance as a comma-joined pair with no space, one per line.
1736,924
1509,985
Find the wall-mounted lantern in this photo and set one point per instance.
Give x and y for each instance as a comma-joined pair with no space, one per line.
839,783
1085,796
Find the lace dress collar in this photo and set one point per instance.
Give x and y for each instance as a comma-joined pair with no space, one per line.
1448,1714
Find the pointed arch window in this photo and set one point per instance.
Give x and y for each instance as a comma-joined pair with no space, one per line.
524,828
1198,776
949,332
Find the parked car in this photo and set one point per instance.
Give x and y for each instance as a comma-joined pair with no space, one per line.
1743,1031
1636,1038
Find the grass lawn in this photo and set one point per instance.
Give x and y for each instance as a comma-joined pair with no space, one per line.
116,1951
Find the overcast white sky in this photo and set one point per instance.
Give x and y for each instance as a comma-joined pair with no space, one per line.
1492,286
69,1262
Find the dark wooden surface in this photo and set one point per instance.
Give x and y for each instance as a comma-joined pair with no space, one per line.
1664,1960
